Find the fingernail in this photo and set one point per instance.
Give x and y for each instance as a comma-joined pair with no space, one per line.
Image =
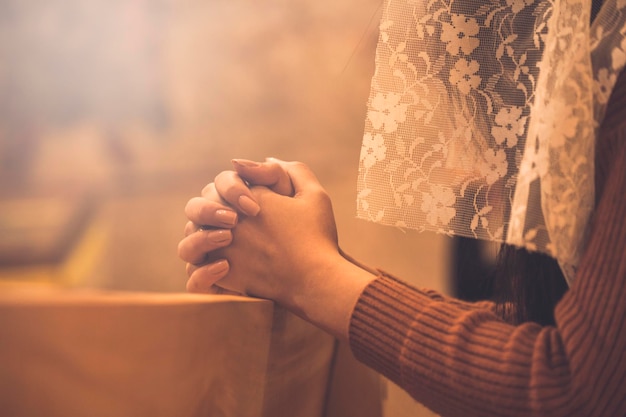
249,206
245,163
227,217
217,268
203,278
219,236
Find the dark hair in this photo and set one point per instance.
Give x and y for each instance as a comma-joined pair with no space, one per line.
527,285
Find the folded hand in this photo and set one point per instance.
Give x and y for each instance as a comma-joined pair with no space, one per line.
281,237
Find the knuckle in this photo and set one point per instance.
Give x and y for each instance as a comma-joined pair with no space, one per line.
193,208
322,195
200,210
189,228
191,286
297,164
181,250
189,250
224,177
274,168
209,188
189,207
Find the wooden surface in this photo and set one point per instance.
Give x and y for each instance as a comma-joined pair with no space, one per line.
95,354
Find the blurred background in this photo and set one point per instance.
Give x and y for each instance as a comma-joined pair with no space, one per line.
114,113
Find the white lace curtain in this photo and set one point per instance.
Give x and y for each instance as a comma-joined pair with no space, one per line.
482,118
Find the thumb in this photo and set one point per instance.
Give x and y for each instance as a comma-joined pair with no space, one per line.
270,174
303,179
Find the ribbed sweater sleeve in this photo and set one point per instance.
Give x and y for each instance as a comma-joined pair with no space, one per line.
461,359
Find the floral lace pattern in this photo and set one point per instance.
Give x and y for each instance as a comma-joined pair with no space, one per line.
482,115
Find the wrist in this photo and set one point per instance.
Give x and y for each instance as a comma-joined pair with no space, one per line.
329,293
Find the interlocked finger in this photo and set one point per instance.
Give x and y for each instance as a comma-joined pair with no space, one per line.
195,246
207,212
203,277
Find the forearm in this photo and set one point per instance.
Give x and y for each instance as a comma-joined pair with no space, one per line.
455,360
329,295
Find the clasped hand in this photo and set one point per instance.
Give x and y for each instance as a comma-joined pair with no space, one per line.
264,229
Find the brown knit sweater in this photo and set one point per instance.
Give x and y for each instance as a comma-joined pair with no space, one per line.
461,359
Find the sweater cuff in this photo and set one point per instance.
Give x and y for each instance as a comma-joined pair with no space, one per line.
381,321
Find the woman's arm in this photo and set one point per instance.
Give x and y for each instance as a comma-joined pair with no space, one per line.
467,362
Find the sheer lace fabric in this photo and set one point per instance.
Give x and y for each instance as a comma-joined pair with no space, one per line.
482,118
